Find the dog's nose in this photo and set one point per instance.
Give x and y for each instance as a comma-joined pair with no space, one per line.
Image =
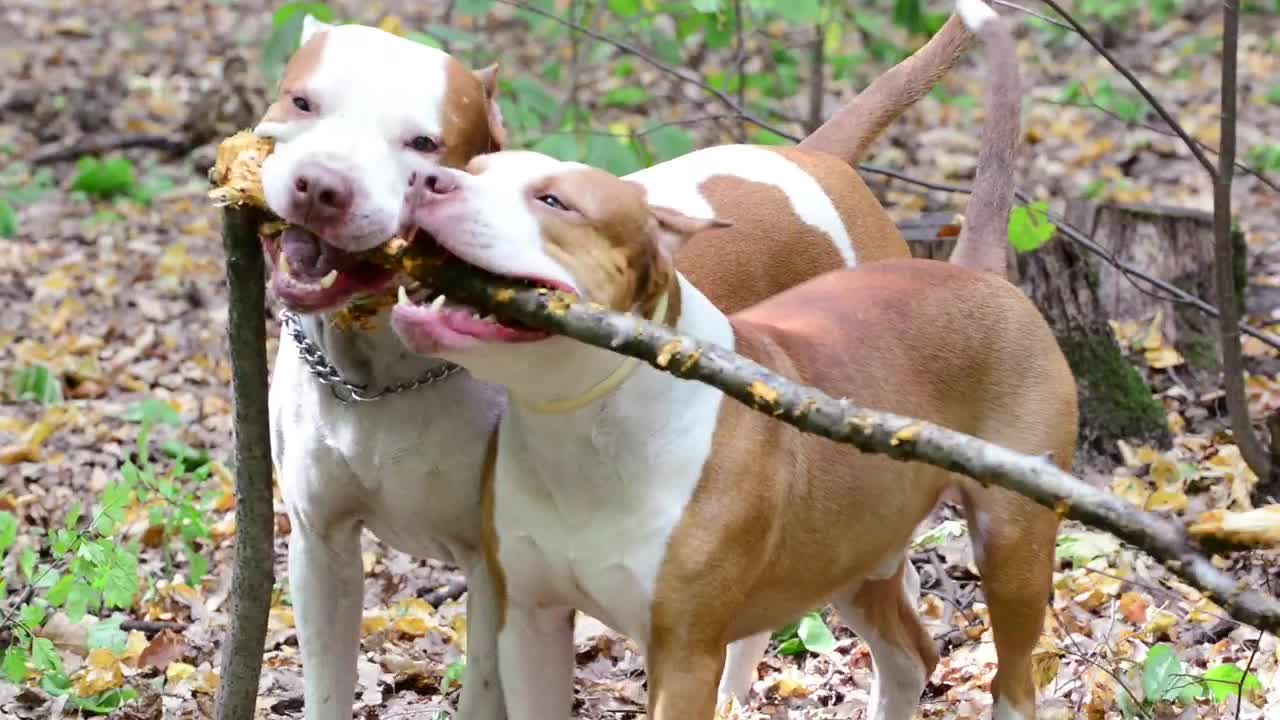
322,193
441,183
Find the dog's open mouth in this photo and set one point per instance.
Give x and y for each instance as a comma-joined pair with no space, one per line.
429,321
310,275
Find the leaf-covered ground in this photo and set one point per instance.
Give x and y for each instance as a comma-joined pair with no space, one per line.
122,301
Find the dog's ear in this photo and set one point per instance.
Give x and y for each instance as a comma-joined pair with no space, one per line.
488,78
311,25
673,227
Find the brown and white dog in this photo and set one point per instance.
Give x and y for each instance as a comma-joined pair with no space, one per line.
362,115
687,521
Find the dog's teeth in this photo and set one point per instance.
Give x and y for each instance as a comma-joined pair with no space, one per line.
328,280
403,297
437,303
284,265
489,318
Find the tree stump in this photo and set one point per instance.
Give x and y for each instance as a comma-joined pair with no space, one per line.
1172,244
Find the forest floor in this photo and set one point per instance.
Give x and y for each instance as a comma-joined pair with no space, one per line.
123,301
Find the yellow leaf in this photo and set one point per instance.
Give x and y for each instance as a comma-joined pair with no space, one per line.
1131,489
206,682
178,671
281,618
174,263
1044,667
790,684
101,673
1133,607
1160,623
392,24
1260,527
621,129
1164,358
134,646
415,617
373,622
1166,499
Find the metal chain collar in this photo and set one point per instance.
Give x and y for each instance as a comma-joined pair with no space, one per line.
326,373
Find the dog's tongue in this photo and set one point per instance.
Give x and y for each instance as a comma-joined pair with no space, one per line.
308,256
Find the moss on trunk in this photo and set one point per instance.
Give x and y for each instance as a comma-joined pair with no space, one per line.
1115,402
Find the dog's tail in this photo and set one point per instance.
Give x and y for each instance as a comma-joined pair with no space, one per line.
852,129
984,236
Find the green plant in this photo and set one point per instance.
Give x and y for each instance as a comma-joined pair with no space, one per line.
1166,680
1265,157
37,383
1030,227
82,568
808,634
106,178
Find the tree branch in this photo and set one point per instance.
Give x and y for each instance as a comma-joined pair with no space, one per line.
812,411
254,573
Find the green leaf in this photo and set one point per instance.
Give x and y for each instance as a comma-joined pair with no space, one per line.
153,411
1223,681
189,459
31,616
299,10
939,535
57,595
624,8
105,178
815,634
1273,95
56,684
14,665
79,598
800,12
617,156
1128,708
286,34
107,634
107,702
794,646
1029,227
562,146
625,97
1160,673
473,8
530,94
453,675
768,137
8,531
8,219
45,655
38,383
121,587
27,563
454,36
707,6
669,142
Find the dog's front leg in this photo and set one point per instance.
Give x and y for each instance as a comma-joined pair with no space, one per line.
535,659
482,688
326,582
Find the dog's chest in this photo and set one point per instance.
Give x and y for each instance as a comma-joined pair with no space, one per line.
408,465
588,525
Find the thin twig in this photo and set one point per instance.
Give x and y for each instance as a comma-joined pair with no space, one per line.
1032,13
1137,85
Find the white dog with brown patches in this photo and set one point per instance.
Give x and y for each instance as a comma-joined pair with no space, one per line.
363,115
686,521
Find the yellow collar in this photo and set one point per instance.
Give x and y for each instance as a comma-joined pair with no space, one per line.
602,388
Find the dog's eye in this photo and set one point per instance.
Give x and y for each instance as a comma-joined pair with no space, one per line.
302,104
552,201
424,144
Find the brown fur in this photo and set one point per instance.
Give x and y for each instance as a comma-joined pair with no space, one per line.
768,248
468,118
918,338
296,75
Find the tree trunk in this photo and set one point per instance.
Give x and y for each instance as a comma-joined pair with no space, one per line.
253,575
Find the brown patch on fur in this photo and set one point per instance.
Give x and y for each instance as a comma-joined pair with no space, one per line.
781,519
489,530
465,116
768,248
297,74
610,246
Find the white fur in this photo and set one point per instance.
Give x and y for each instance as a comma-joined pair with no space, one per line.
407,467
675,184
371,93
310,26
975,14
898,675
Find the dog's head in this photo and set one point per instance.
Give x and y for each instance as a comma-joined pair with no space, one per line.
553,224
361,114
